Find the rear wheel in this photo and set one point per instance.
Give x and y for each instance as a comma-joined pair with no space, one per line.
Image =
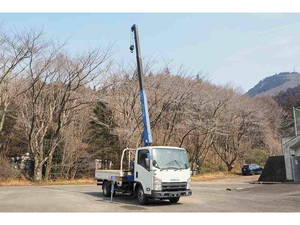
141,197
106,188
174,200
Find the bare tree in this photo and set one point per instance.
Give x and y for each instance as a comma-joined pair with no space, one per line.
72,93
36,109
74,148
16,51
53,96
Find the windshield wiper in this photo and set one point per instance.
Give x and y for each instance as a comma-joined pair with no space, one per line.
175,162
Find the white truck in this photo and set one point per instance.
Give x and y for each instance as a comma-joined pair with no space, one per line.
160,172
152,172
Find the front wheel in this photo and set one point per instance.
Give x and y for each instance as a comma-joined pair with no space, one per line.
174,200
141,197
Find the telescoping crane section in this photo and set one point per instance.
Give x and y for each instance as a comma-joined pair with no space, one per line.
147,134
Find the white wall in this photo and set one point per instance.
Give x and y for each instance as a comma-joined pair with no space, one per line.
287,151
288,165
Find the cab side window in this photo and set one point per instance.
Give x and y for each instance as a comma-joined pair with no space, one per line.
142,155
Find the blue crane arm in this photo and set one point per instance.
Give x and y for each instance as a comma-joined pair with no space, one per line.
147,134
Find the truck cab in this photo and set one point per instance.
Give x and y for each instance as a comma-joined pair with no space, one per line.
162,172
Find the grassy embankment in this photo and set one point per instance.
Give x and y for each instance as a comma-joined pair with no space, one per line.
24,182
214,176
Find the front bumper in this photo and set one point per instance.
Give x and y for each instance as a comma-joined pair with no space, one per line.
170,194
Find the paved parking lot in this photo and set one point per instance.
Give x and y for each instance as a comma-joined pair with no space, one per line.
228,195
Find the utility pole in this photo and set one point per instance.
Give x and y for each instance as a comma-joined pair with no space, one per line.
147,135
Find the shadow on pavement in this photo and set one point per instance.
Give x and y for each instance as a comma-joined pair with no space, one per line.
130,201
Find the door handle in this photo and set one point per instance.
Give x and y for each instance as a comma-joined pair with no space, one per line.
136,174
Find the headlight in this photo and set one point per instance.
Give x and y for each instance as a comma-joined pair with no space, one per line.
188,185
156,183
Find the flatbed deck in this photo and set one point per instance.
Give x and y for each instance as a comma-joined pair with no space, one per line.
106,174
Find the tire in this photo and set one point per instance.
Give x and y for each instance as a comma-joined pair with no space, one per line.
106,189
174,200
141,197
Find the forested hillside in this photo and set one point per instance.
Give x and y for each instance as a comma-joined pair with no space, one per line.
60,112
287,100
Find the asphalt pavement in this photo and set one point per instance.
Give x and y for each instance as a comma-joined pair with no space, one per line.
227,195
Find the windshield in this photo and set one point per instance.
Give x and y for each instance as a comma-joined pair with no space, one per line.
254,166
170,158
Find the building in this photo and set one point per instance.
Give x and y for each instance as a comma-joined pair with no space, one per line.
291,151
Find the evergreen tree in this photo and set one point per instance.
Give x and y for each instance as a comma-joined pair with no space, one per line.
105,144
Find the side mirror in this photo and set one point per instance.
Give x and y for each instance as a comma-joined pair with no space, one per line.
147,162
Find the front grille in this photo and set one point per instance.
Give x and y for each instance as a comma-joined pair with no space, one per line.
173,186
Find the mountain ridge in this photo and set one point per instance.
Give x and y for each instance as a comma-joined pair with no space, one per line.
273,85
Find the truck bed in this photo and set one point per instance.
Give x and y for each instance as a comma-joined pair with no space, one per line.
106,174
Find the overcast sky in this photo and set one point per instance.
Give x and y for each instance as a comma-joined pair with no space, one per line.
236,49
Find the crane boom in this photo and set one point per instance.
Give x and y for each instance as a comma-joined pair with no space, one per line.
147,134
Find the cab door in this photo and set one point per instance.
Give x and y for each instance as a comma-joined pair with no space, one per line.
143,172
